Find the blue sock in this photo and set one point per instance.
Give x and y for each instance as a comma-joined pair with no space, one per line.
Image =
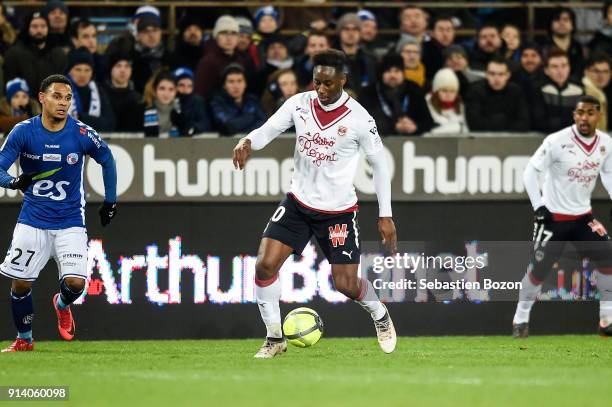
23,314
67,296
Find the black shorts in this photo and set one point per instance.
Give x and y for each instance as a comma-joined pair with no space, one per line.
588,236
337,233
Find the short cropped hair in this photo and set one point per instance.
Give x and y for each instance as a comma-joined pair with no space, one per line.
50,80
79,24
590,100
332,57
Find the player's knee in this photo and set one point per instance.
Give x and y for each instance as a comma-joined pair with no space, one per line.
20,287
265,269
75,284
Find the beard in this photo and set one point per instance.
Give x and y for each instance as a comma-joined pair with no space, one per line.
39,40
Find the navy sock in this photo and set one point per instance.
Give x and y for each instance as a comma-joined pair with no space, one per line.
23,313
67,296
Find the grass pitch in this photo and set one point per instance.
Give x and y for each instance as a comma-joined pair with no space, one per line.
457,371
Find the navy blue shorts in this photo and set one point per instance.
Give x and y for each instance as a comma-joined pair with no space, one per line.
337,233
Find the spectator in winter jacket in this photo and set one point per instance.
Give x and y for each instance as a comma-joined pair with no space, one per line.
602,41
189,44
234,110
56,12
496,104
555,98
149,52
222,53
8,35
561,36
595,81
361,64
83,33
445,104
315,42
192,105
31,57
90,103
124,98
246,48
530,72
276,57
489,45
456,58
163,116
397,105
17,105
414,69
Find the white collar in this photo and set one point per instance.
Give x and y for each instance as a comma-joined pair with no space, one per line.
341,100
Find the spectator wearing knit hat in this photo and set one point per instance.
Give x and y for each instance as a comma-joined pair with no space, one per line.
369,33
124,98
246,47
90,103
530,71
414,68
189,43
221,53
31,57
456,58
16,105
192,105
149,52
361,65
57,13
496,104
267,22
445,104
397,105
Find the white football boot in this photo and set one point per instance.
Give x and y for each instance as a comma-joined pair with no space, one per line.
387,338
269,349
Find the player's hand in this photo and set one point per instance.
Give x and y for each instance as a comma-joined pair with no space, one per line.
107,212
542,215
22,182
386,227
242,151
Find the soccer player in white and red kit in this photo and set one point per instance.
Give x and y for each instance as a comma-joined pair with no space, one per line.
331,129
571,160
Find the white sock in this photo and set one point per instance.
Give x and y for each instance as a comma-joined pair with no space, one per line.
527,296
369,300
604,285
268,293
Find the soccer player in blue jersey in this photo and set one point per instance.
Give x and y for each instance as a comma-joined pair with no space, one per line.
51,149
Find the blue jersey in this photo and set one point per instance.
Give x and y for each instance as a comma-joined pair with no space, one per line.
56,201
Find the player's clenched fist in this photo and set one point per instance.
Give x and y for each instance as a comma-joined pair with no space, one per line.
242,151
107,212
22,182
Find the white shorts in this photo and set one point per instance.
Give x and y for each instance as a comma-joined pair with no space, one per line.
32,248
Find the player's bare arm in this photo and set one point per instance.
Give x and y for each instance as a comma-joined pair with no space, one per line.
388,234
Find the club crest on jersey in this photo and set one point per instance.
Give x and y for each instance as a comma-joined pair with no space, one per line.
72,158
338,234
342,130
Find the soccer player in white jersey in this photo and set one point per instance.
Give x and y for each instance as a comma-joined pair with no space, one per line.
51,149
331,129
571,160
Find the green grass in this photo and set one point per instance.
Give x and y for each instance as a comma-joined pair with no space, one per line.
453,371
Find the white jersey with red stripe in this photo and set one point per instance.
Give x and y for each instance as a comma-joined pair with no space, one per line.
571,164
327,147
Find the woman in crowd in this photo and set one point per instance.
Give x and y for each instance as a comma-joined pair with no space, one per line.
162,111
281,86
445,104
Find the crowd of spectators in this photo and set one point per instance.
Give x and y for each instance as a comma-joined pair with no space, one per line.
230,77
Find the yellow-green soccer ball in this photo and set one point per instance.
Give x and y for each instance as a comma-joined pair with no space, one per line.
303,327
